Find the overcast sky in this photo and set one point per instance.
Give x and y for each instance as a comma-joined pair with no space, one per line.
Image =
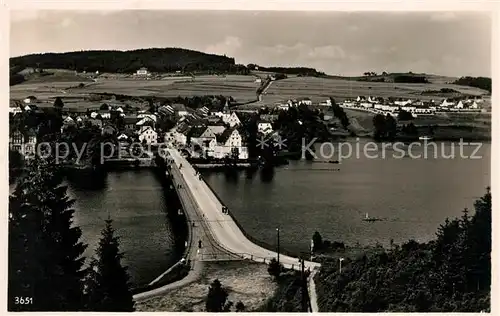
444,43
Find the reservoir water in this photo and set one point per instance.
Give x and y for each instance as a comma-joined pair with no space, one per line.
414,196
135,202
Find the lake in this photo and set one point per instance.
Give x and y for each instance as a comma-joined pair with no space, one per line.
135,201
414,196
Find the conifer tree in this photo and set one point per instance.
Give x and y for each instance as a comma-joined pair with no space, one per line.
108,282
216,298
45,252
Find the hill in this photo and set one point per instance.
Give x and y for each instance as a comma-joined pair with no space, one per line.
477,82
154,59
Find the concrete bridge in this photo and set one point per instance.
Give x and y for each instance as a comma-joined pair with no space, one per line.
218,235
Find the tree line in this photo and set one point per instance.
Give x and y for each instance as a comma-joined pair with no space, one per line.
154,59
451,273
299,71
477,82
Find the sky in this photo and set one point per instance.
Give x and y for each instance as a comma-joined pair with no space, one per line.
337,43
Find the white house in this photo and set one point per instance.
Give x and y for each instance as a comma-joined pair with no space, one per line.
30,99
283,107
202,140
23,143
15,110
410,109
305,101
446,104
460,105
216,129
264,127
147,115
327,102
366,104
142,71
105,114
402,102
230,118
122,137
230,143
180,134
423,110
148,135
474,105
347,103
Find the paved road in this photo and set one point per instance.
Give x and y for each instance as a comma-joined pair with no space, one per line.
223,228
218,232
199,232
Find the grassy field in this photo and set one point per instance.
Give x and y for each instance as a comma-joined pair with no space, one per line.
241,88
319,89
245,281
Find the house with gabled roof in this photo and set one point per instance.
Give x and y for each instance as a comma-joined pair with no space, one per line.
264,127
305,101
202,141
148,135
181,133
231,119
230,144
23,142
447,104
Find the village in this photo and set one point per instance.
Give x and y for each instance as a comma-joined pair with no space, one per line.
213,134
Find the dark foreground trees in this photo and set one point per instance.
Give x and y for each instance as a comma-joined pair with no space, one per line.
45,251
108,281
449,274
45,254
217,298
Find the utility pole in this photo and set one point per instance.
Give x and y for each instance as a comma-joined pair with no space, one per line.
278,250
305,300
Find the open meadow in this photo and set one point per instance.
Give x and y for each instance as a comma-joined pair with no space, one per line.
319,89
241,88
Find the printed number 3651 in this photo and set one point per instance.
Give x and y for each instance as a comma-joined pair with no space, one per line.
24,300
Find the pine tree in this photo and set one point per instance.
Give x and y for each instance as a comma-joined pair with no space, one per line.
58,103
216,299
108,282
45,252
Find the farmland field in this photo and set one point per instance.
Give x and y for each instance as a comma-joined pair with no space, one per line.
319,89
241,88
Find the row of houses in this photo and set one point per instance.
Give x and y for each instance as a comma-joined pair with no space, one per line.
415,107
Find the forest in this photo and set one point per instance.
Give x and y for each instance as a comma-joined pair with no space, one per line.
477,82
154,59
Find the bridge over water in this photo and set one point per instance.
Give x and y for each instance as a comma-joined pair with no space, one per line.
214,235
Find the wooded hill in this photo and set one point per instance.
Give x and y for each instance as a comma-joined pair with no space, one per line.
154,59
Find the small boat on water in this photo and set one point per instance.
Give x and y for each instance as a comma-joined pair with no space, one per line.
425,138
371,219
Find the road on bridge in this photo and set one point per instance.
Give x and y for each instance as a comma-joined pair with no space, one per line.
224,230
